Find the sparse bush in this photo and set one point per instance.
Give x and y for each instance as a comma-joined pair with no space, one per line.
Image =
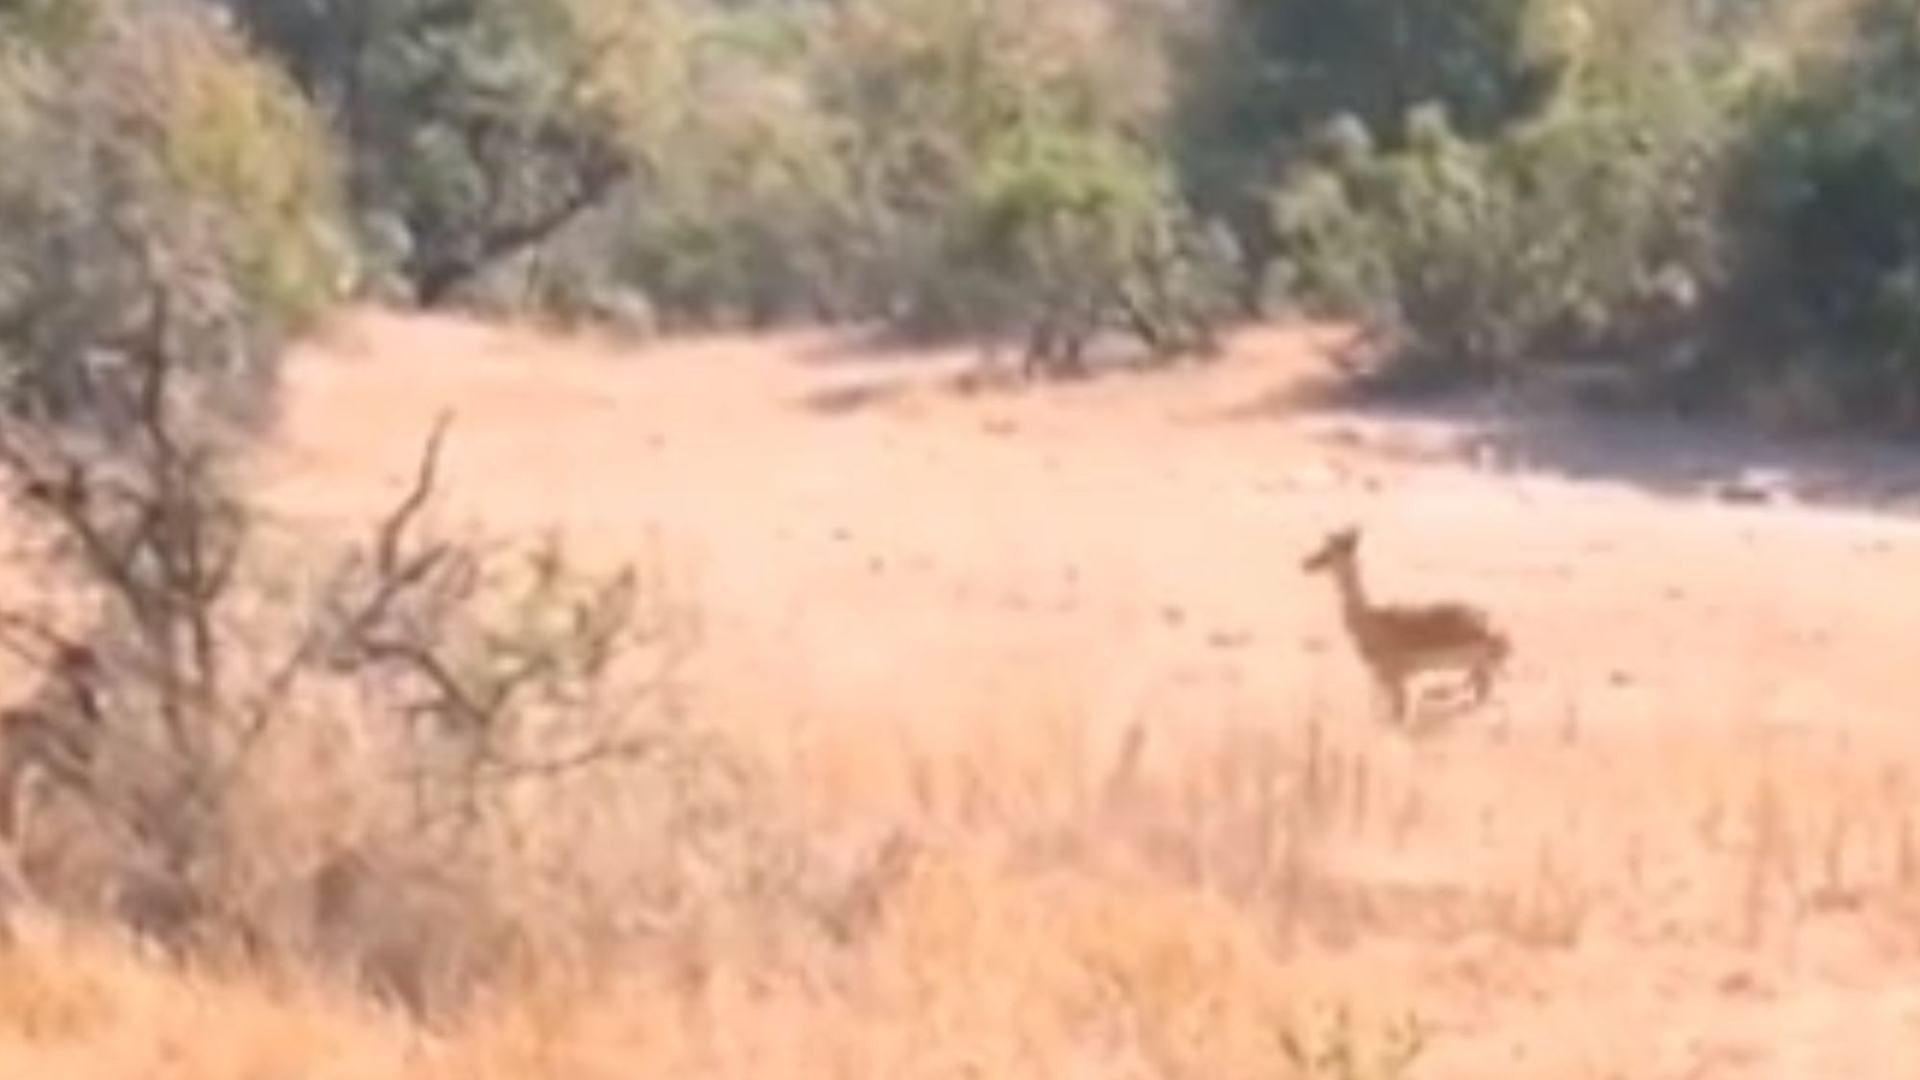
389,754
1335,1050
382,764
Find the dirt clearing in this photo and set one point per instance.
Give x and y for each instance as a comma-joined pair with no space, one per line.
1679,843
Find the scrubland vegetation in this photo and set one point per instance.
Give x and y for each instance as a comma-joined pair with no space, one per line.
386,790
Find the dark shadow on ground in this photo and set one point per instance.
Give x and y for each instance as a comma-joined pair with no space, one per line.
850,398
1664,454
875,377
879,345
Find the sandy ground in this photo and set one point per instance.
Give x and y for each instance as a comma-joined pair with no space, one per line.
1691,801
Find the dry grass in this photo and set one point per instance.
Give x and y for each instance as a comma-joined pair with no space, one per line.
1060,764
1155,929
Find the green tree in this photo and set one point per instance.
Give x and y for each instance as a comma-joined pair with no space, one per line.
1593,222
1268,74
1005,169
476,129
747,213
1826,199
1066,233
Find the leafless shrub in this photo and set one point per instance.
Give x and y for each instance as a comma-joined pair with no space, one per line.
399,764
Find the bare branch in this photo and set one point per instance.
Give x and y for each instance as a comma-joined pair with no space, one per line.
438,274
342,634
393,529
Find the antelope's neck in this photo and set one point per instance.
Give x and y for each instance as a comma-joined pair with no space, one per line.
1353,593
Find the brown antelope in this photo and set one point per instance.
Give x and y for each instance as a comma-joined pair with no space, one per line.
1397,642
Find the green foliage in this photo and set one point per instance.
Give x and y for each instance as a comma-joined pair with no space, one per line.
240,138
1592,223
1065,231
1270,74
1492,182
937,167
1718,180
46,23
1827,196
1278,69
946,109
1573,231
164,190
476,129
748,214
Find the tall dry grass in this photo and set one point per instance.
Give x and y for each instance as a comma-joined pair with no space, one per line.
1298,900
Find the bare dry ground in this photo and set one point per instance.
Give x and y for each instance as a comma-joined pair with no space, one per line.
1679,844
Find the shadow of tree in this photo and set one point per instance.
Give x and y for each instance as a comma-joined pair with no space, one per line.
1666,455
